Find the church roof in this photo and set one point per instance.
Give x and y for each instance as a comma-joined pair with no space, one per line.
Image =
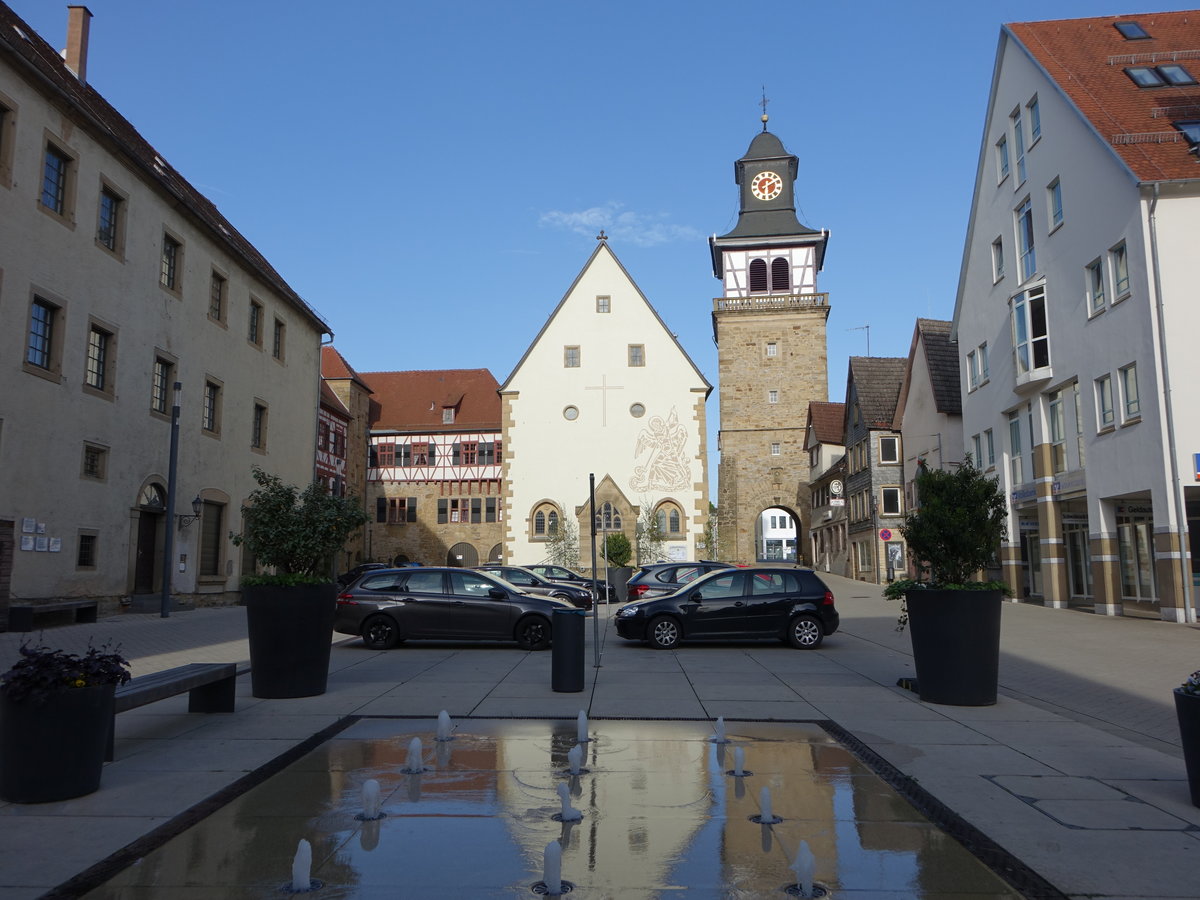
335,367
413,401
828,421
22,47
1087,61
877,381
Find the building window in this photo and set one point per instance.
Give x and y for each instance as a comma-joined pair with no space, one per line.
447,415
98,367
95,462
216,297
464,454
669,519
1055,202
1130,405
982,356
1095,286
44,338
1190,128
1058,432
56,173
637,410
1120,271
772,348
571,357
545,521
989,443
211,411
258,428
1031,341
254,334
1025,240
890,504
212,531
603,304
172,258
85,554
1131,31
1079,443
7,128
1105,412
977,450
637,354
570,413
1016,468
108,229
772,396
997,259
277,340
781,276
609,518
775,449
1035,120
401,510
758,276
889,450
972,371
1019,144
1001,158
160,389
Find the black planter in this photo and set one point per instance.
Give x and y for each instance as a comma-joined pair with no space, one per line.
1187,709
618,579
956,645
54,750
290,631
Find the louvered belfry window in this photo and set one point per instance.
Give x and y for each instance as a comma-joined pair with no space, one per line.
758,276
780,276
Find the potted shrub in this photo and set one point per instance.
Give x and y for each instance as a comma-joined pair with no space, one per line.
954,621
55,712
618,551
289,614
1187,709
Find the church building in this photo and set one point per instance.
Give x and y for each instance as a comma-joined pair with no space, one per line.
605,389
769,325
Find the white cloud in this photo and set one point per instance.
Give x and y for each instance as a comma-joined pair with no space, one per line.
642,229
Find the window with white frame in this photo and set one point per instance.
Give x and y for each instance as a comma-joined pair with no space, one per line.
890,503
1016,465
772,396
1105,412
1001,158
1025,245
977,450
1058,432
1035,120
982,355
989,448
775,450
603,304
889,450
1019,144
972,371
1078,404
997,259
571,357
1131,406
1094,275
1054,202
1120,271
1031,339
772,348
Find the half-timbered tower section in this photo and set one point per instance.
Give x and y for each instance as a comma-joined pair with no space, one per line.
433,480
355,396
769,325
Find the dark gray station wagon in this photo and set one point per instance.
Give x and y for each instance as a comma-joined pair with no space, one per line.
390,606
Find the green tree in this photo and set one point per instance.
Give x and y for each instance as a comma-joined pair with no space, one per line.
617,549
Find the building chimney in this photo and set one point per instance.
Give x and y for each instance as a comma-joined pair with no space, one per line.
78,22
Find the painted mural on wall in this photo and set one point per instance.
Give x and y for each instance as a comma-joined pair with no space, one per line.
666,466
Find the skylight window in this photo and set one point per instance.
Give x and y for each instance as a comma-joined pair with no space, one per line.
1144,76
1174,73
1191,131
1131,31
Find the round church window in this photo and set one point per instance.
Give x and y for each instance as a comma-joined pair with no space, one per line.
571,413
637,410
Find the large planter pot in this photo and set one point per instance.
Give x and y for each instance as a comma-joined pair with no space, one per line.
290,631
956,645
54,750
618,579
1187,709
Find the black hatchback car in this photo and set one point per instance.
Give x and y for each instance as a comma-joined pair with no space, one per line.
793,605
389,606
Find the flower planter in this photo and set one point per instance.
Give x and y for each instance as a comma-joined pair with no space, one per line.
290,630
1187,709
54,750
956,645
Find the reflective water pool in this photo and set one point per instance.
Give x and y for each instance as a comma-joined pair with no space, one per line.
661,817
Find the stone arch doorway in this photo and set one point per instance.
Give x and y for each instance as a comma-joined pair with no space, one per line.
463,555
776,535
149,517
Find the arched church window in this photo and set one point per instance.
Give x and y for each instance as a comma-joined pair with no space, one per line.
539,523
758,276
552,523
669,518
545,522
781,276
608,518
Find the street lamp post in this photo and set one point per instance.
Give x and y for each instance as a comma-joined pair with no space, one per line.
169,536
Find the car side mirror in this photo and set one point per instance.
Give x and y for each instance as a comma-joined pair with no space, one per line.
496,594
696,597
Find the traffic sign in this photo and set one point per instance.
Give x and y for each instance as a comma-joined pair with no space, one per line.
885,534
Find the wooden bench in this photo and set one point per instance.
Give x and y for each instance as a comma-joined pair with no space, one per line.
211,688
20,617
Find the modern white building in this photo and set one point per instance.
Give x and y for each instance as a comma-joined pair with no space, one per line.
118,279
1076,313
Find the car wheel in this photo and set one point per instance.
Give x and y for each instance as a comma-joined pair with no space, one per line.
533,633
380,633
663,633
805,633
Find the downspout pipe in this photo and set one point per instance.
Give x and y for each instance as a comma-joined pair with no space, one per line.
1185,575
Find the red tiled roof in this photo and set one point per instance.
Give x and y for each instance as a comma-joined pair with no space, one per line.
334,365
413,401
1087,59
828,421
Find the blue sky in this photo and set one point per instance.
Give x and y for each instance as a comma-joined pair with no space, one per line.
431,176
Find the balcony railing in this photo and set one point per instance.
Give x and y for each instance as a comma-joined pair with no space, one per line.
763,302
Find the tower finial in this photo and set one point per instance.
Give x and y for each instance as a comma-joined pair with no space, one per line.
763,103
602,236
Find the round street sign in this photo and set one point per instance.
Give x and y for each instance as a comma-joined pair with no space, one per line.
885,534
835,486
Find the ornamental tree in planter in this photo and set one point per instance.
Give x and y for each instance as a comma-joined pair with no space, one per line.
954,621
56,709
618,551
289,614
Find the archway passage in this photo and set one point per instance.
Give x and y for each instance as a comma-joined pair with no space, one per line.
775,534
463,555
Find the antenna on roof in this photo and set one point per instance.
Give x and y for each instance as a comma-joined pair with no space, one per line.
867,329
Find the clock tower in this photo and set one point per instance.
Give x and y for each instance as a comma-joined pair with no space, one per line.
769,327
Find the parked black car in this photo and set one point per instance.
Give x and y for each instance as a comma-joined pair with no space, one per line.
389,606
656,579
568,576
348,578
793,605
528,580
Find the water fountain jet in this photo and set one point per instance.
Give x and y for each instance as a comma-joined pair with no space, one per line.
581,728
370,802
569,813
575,760
444,727
719,731
414,765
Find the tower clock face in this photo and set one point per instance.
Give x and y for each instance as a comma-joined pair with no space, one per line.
766,186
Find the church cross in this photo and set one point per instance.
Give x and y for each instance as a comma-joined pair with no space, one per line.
763,103
604,387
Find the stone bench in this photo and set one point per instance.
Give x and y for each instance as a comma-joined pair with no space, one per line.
211,688
21,616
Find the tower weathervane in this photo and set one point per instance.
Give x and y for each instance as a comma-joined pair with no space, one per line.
763,103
